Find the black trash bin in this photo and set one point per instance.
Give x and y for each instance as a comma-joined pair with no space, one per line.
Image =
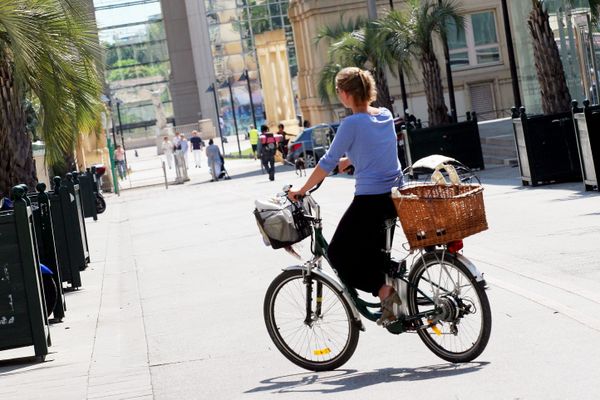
88,196
23,320
587,128
46,245
67,235
73,186
459,141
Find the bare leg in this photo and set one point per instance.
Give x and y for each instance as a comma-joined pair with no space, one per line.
385,291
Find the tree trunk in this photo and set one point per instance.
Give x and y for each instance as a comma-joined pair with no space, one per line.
551,75
16,156
434,91
383,91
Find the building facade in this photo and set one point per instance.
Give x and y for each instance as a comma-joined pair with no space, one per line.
137,65
482,80
478,55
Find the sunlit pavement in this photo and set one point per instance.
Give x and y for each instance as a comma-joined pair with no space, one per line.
171,306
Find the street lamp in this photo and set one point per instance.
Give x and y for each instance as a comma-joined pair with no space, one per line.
227,83
119,102
246,77
449,73
212,89
402,83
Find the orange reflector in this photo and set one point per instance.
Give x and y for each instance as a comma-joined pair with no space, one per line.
435,328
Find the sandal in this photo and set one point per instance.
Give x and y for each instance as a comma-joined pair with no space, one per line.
387,307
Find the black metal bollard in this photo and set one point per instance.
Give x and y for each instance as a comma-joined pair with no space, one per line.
73,189
42,215
67,237
23,320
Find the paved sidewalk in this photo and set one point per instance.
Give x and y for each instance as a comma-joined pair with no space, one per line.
171,305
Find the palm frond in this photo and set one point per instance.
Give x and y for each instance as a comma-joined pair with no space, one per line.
55,53
395,36
326,83
334,32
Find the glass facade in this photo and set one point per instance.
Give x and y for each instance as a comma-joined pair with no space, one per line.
137,62
232,26
570,22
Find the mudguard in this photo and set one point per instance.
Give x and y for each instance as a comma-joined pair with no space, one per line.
471,267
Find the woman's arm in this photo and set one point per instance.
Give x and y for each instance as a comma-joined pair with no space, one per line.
313,180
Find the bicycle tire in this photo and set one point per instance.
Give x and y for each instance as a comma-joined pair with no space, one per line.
100,204
479,303
327,353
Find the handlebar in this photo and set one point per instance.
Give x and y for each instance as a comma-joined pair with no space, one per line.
287,188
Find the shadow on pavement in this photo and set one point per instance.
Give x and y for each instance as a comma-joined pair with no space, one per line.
344,380
14,364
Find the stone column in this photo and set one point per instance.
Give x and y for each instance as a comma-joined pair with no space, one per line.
276,81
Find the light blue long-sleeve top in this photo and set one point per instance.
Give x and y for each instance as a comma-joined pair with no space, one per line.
370,142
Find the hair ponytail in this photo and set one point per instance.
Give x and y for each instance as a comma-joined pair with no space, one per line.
357,83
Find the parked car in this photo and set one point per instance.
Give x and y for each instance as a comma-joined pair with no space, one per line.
312,144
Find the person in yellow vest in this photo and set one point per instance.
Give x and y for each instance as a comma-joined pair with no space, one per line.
253,136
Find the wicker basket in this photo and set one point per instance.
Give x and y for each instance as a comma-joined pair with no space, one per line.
437,214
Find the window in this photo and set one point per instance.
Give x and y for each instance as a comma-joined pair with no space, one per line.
475,44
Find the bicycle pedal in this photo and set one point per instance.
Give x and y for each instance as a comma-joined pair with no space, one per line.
396,326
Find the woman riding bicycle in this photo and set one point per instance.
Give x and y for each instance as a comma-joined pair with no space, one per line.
368,140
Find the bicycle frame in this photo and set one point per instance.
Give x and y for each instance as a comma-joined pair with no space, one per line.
370,311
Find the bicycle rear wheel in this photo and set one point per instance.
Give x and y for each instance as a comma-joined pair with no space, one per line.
460,330
310,321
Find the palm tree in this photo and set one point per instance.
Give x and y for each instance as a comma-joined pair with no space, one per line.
548,66
49,53
354,44
411,34
549,69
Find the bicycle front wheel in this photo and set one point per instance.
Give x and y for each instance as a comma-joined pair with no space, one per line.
459,320
310,321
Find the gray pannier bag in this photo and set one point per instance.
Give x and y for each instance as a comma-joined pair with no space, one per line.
281,224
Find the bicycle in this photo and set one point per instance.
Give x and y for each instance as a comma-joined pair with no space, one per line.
315,320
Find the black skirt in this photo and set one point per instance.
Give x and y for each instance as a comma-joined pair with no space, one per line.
356,249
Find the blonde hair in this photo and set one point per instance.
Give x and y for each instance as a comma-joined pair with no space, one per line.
358,83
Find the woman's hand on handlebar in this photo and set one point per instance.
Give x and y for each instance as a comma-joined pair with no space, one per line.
296,195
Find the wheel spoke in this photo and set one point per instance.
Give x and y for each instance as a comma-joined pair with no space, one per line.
325,338
452,288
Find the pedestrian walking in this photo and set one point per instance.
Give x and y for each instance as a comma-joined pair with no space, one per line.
168,148
120,162
185,149
253,136
269,142
197,147
177,139
213,155
283,146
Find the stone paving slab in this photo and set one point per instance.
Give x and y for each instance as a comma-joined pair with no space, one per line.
171,306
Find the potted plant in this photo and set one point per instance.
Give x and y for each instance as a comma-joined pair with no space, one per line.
587,129
546,145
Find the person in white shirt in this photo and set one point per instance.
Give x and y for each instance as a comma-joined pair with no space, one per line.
168,148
